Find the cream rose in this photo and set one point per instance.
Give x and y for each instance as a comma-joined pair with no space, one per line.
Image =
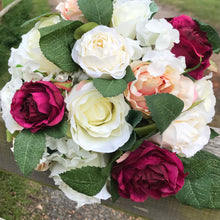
97,123
127,13
67,156
146,84
28,57
102,52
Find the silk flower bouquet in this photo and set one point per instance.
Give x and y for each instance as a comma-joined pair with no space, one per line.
115,103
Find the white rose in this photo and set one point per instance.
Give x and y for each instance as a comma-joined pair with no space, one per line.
70,156
101,52
205,93
159,33
126,14
187,134
7,94
28,57
97,123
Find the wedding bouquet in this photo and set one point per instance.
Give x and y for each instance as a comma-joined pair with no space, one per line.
115,103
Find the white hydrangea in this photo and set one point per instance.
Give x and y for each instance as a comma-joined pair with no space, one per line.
158,33
67,156
161,59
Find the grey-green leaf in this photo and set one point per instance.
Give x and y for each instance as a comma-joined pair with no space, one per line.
129,75
129,144
87,180
153,9
202,185
213,134
110,88
28,150
134,117
59,130
83,29
56,43
164,109
98,11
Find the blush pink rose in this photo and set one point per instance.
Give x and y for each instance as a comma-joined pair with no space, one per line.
37,105
69,10
149,171
193,44
146,84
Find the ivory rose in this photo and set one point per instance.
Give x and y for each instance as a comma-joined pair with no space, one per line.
146,84
102,52
97,123
28,57
67,156
127,13
70,10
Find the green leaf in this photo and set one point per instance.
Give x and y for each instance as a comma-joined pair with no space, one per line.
202,185
164,109
213,134
110,88
114,190
150,133
134,117
129,75
38,18
129,144
99,11
87,180
153,9
191,194
56,44
145,130
59,130
28,150
212,35
83,29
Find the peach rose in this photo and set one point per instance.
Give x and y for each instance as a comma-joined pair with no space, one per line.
69,10
146,84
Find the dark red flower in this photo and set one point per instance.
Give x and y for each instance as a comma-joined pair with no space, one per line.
37,105
149,171
193,44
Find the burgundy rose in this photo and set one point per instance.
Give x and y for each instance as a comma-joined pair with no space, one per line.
193,44
149,171
37,105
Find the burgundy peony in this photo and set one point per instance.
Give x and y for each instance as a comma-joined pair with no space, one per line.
37,105
193,44
149,171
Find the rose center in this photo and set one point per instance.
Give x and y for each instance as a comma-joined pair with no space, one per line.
98,111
